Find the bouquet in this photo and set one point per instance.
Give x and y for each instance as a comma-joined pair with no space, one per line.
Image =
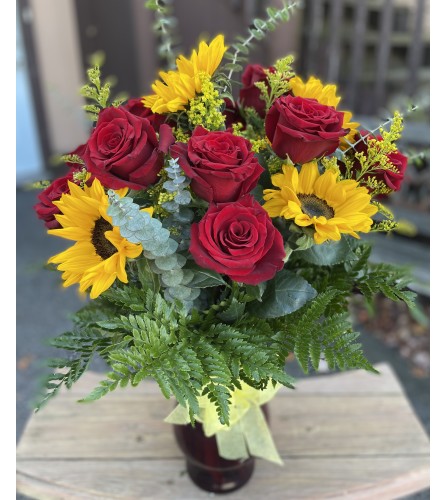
214,230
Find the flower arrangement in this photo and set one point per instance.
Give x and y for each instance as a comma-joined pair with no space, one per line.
214,235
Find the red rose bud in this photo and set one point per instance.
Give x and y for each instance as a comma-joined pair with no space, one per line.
136,107
250,94
303,128
124,151
232,114
392,179
221,166
239,240
45,209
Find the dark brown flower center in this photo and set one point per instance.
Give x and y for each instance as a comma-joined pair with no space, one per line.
315,207
103,247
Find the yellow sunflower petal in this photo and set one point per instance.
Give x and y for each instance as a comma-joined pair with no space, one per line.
324,183
308,175
314,89
176,88
101,284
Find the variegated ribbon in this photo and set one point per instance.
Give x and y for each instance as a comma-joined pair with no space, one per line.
248,433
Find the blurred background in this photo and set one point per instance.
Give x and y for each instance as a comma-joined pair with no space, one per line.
376,51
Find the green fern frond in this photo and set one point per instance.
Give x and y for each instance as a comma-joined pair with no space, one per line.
314,335
391,281
72,371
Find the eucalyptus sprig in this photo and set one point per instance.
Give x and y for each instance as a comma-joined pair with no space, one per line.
380,128
257,32
164,25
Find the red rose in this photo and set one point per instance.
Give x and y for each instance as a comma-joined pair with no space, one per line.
221,166
45,209
249,95
238,240
124,151
136,107
392,179
303,128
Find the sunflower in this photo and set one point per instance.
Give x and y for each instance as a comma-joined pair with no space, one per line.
333,207
325,94
176,88
99,253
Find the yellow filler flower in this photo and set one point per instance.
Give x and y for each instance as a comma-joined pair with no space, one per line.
176,88
324,94
334,207
99,253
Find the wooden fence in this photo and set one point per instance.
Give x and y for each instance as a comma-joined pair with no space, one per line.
374,49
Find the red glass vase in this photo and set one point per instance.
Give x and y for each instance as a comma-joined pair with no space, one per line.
205,467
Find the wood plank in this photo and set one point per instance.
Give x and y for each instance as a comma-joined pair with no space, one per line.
302,478
347,435
337,414
314,30
358,48
145,46
334,48
415,52
335,425
384,49
364,383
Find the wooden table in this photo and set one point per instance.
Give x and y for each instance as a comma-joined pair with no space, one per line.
351,435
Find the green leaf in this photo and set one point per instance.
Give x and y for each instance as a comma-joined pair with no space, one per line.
285,16
233,67
149,280
286,293
329,253
304,242
91,108
204,278
241,48
259,35
233,312
254,292
99,392
260,24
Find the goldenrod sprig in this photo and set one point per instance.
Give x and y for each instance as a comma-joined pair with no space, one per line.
205,108
366,166
42,184
72,158
80,177
376,157
97,91
278,81
384,226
